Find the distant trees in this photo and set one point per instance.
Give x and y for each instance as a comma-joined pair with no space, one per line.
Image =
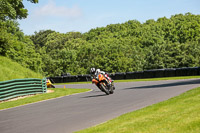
131,46
127,47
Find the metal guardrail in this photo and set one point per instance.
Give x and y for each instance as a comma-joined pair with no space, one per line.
20,87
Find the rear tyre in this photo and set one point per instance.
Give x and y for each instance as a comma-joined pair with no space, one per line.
113,87
111,90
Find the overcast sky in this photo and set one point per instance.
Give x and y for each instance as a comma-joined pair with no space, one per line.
83,15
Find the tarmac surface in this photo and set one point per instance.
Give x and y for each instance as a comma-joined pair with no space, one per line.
76,112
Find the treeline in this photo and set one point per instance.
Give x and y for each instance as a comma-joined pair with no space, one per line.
13,43
131,46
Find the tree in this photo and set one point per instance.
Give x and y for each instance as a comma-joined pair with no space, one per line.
18,47
13,9
40,38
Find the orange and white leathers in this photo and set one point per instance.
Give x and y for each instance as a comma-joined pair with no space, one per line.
99,78
106,75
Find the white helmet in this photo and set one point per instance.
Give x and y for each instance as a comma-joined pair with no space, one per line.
92,70
98,71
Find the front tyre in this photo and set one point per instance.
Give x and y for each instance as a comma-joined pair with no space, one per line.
104,89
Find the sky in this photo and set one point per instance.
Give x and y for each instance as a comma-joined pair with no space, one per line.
83,15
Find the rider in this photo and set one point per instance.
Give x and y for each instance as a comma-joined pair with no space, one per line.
96,72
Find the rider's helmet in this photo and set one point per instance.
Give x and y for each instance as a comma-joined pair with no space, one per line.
98,71
92,70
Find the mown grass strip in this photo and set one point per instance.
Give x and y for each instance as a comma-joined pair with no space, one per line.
58,92
180,114
136,80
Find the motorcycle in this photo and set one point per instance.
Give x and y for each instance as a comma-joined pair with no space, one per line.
104,84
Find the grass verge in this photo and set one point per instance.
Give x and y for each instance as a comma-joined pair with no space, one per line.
180,114
136,80
12,70
58,92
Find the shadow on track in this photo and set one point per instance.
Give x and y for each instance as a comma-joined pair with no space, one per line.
179,83
95,96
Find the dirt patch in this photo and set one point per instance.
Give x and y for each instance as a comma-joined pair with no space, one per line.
50,91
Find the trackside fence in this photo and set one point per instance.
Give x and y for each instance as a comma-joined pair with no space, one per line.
156,73
20,87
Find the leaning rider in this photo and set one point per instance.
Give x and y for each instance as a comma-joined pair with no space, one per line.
96,72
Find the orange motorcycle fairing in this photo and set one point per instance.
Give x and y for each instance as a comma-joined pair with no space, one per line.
95,81
101,77
102,84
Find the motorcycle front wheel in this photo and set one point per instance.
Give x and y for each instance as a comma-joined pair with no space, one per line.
104,89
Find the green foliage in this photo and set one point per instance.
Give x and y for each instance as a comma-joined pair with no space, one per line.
40,38
126,47
130,46
13,9
173,55
15,45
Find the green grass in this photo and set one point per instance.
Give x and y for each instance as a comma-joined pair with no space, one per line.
87,82
58,92
136,80
180,114
12,70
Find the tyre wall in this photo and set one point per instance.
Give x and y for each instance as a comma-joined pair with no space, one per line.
156,73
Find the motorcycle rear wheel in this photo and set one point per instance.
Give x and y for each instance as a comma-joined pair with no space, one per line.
111,90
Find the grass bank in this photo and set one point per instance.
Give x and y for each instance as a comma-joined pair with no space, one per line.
12,70
58,92
180,114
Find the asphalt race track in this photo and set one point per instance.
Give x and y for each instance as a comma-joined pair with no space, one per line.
72,113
